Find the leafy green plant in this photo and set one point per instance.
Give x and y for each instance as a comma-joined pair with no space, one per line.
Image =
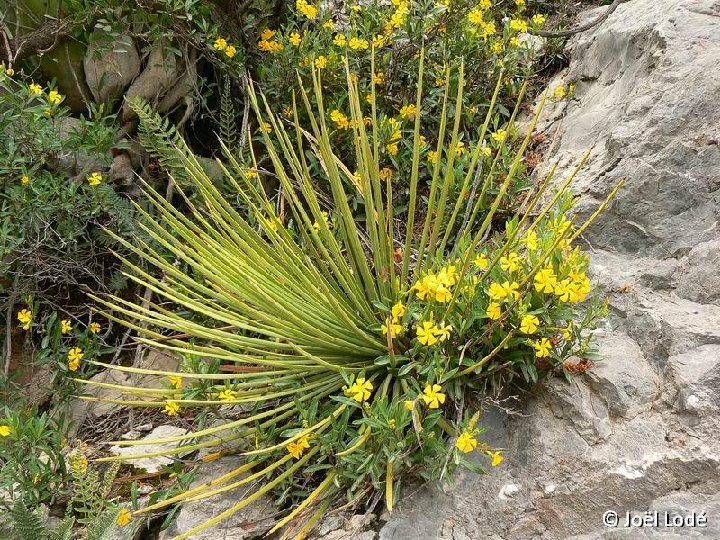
352,345
32,465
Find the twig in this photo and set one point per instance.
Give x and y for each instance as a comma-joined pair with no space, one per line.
568,33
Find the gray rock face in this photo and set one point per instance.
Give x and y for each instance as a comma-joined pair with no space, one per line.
646,104
638,432
252,522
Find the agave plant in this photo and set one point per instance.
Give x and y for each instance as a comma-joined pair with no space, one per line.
353,346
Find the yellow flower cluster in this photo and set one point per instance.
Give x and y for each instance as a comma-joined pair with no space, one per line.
429,334
123,518
5,430
466,442
477,21
295,39
397,19
267,44
436,286
306,9
573,288
227,395
341,121
54,97
298,447
518,25
222,45
358,44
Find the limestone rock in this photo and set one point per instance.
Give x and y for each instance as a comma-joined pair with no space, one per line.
253,521
645,103
152,464
157,79
700,281
109,72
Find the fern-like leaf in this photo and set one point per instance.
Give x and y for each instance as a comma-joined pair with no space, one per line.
27,523
161,139
228,121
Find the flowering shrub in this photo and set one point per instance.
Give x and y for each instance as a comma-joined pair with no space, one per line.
53,239
493,42
351,348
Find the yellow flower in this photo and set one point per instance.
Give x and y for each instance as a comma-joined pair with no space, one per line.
499,136
386,173
398,310
511,263
340,40
358,44
378,41
408,404
432,156
296,448
476,16
546,281
530,240
175,381
266,127
340,119
408,111
518,25
392,149
306,9
25,317
529,324
5,431
542,347
54,97
65,326
220,44
35,89
481,261
230,51
24,179
466,442
493,311
497,458
538,19
460,148
10,72
321,62
426,333
267,34
488,29
74,356
443,332
497,47
270,46
360,390
324,216
496,291
432,396
227,395
171,408
94,328
394,328
485,4
123,517
511,289
559,92
95,179
329,24
295,39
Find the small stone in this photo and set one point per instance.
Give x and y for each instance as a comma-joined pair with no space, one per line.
508,491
